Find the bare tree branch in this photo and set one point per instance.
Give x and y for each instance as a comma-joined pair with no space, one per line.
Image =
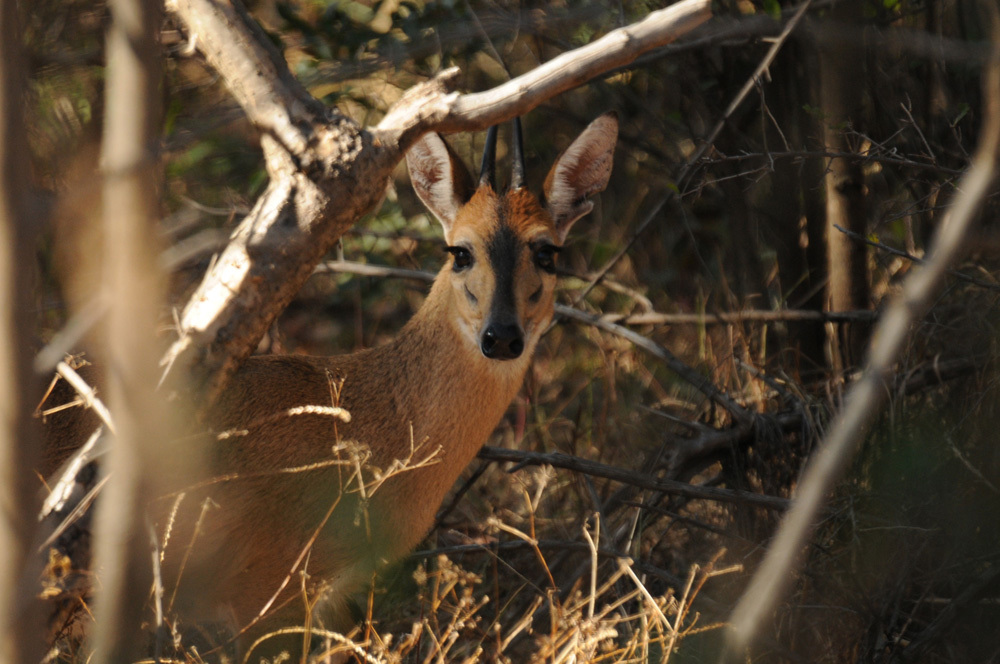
20,634
620,47
644,318
702,383
857,237
595,469
326,171
256,74
866,396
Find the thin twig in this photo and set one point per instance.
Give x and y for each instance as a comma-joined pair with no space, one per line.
87,393
699,381
737,317
889,156
749,85
577,464
366,270
687,169
915,259
645,318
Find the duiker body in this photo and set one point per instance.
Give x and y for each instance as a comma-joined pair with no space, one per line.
287,501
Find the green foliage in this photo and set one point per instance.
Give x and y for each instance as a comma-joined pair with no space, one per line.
772,8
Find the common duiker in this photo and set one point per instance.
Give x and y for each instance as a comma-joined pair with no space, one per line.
327,467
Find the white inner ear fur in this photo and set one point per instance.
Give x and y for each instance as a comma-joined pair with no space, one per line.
431,173
583,169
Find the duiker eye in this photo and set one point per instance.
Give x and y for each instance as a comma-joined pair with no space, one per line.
545,257
462,257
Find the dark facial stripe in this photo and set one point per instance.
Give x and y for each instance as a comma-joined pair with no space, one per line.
502,251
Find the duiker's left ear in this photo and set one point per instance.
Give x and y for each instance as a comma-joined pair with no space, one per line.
439,177
583,169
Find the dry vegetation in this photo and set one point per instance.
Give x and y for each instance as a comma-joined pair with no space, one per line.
530,561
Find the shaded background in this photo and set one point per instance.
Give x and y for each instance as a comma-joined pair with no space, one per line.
864,120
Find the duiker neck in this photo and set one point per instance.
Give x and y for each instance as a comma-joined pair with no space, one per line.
459,393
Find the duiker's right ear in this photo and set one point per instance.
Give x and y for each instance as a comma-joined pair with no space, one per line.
439,177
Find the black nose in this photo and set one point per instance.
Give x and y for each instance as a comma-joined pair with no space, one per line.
502,342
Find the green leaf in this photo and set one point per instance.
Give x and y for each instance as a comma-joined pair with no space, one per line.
963,110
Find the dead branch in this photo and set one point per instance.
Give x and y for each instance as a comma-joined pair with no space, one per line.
752,82
645,318
576,464
858,237
703,384
326,171
480,110
368,270
866,396
738,317
876,154
87,394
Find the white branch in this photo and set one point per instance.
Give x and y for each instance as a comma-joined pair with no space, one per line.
618,48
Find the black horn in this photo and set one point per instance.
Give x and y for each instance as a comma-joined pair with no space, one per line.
487,173
517,168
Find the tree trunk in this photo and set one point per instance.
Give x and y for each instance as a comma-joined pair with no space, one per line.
20,618
801,251
841,60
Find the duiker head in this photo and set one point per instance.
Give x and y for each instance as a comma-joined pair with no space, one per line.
504,243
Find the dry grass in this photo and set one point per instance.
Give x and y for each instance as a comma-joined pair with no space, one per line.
535,564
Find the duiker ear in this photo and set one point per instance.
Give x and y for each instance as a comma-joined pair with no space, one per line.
583,169
439,177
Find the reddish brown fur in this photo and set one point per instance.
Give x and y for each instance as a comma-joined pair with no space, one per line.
430,388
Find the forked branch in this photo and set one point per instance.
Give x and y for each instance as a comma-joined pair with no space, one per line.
326,171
